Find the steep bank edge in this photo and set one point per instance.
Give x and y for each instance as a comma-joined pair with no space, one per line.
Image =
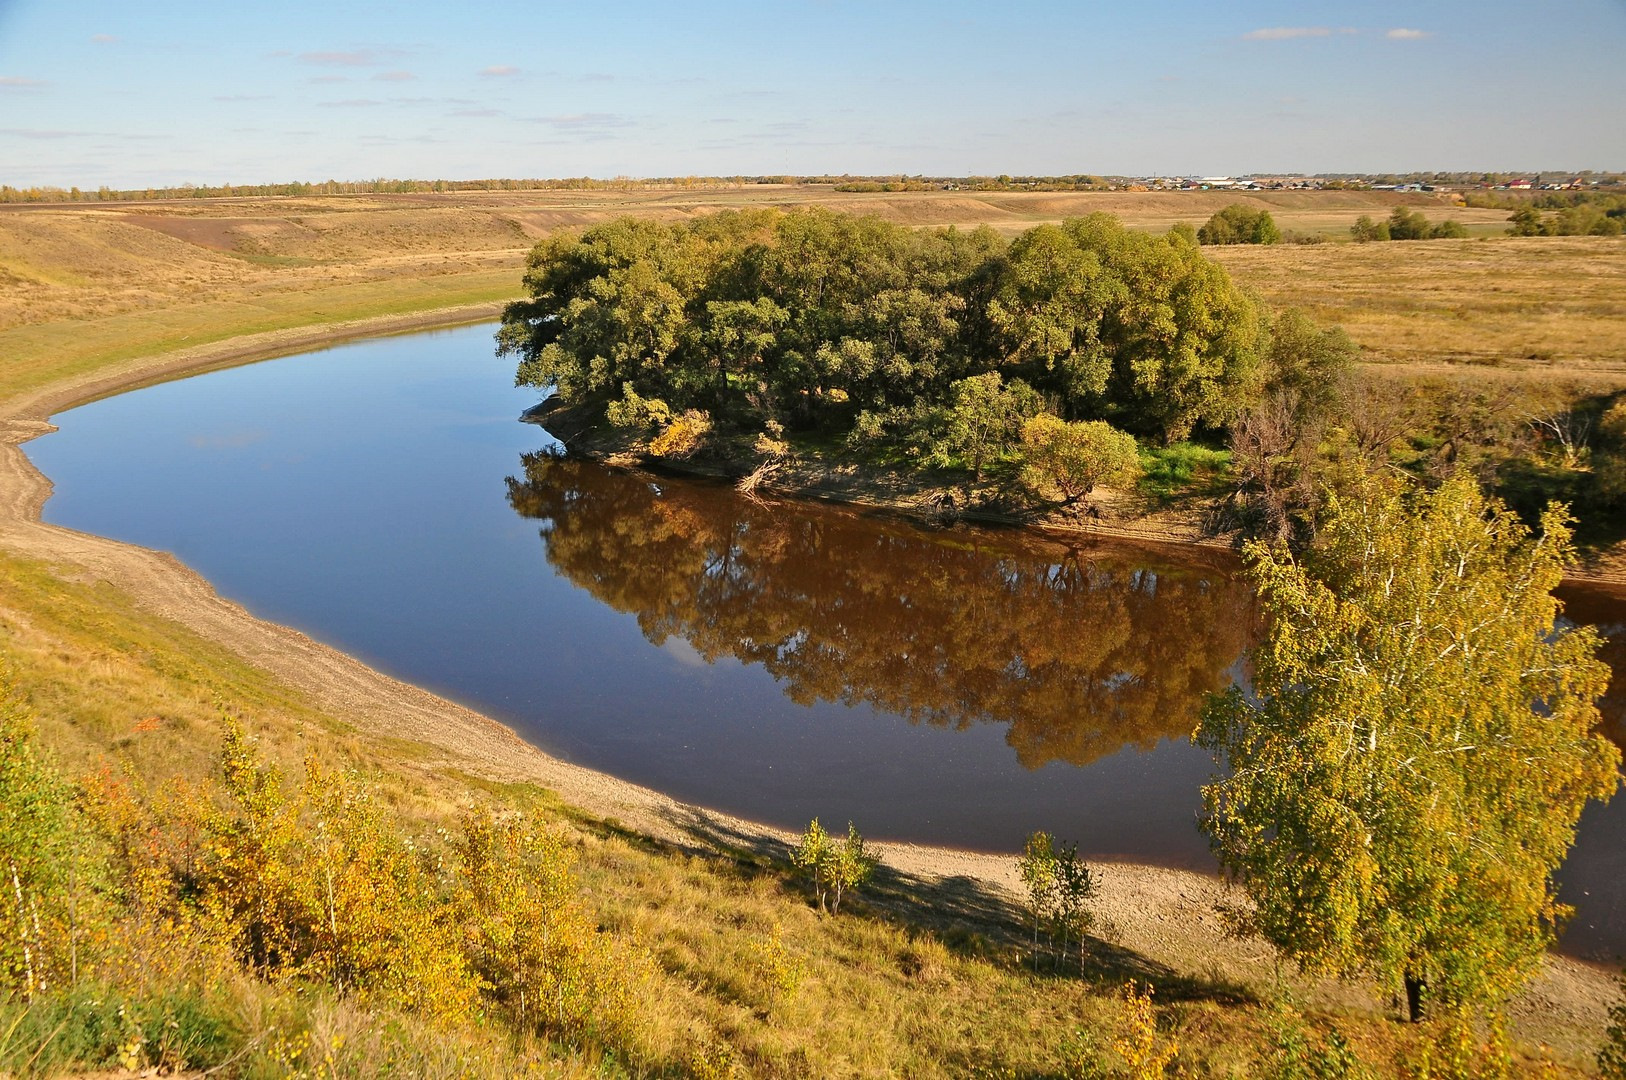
1165,915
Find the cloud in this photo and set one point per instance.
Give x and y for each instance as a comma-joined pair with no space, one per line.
394,76
499,70
583,121
353,58
241,97
474,112
349,103
1286,33
17,82
322,79
42,133
1401,33
103,39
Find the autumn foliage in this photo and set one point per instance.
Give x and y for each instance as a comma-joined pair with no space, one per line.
311,884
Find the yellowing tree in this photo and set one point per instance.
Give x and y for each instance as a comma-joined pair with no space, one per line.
1419,744
1074,457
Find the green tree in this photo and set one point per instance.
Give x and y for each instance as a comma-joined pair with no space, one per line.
849,865
37,932
1240,224
1070,914
835,866
1365,230
1275,444
1037,869
985,417
1074,457
1182,339
812,857
1419,744
1407,224
1527,221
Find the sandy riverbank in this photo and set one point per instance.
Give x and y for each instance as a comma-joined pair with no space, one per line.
1166,916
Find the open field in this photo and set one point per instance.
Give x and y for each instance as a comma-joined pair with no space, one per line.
1549,305
102,638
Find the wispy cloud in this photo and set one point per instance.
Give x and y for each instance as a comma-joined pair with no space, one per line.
499,70
474,112
322,80
352,58
241,97
17,82
394,76
1401,33
584,121
349,103
1287,33
42,133
104,39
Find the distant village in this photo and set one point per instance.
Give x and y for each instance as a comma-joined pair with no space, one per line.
1318,183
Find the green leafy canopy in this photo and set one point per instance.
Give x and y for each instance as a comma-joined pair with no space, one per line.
1418,746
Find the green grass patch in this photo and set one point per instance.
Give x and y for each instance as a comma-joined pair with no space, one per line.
1182,469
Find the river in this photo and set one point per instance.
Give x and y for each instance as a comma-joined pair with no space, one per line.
777,660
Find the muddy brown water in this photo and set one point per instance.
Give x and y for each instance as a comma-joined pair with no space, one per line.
779,660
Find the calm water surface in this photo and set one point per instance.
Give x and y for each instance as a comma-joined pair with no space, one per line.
961,686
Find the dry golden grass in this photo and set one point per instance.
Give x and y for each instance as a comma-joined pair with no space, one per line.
1542,305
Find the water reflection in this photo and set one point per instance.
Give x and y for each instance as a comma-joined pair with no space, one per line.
1081,650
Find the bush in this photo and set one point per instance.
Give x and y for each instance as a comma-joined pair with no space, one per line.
1239,224
683,437
835,866
1365,230
1072,458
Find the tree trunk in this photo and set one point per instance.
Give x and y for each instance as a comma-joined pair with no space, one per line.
1414,997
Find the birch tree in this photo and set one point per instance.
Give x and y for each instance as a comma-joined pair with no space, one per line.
1420,741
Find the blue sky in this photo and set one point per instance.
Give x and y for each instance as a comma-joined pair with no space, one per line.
123,94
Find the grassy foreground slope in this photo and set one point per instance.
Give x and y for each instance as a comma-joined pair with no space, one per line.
128,670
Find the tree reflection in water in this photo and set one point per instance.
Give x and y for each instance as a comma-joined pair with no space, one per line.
1082,649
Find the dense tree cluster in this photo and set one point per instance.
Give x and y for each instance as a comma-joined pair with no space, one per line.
1599,216
1404,224
852,326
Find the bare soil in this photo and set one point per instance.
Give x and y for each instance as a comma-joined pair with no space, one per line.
1167,916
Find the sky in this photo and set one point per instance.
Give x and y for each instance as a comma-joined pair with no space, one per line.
131,95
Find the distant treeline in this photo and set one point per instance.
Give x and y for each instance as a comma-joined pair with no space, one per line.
1076,182
841,182
1557,213
9,194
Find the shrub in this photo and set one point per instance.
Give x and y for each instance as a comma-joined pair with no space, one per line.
1073,457
683,437
1239,224
835,866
